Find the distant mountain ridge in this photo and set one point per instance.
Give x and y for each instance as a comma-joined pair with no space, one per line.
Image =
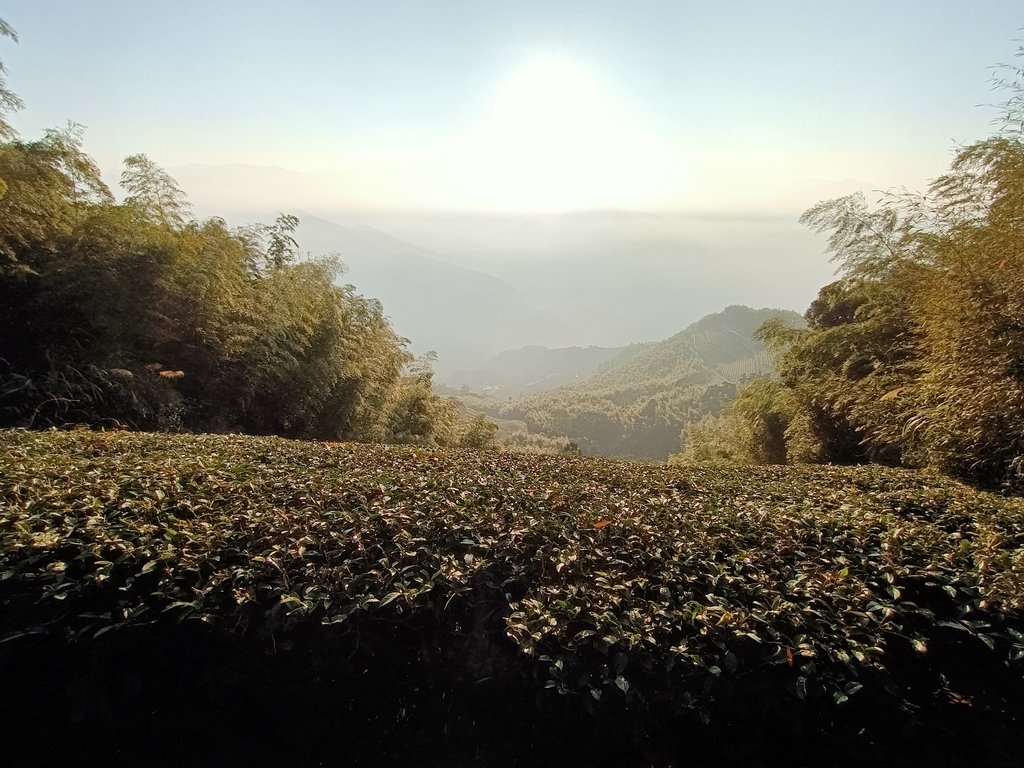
460,313
608,214
718,342
637,403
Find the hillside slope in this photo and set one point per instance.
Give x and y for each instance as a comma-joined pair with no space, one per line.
636,405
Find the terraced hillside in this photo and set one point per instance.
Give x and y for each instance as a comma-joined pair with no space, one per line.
170,598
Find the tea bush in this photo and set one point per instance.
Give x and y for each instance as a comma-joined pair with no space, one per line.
590,611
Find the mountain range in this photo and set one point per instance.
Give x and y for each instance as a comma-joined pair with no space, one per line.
459,313
636,404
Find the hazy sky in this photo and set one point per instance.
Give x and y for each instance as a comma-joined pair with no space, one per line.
522,106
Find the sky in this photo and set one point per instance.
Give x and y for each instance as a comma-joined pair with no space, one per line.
480,130
524,106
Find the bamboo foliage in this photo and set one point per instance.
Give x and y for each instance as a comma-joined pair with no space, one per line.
915,355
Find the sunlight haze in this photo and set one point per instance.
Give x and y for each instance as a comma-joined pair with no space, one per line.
524,108
620,170
553,138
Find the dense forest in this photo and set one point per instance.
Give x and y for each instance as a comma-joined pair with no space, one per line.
134,314
915,355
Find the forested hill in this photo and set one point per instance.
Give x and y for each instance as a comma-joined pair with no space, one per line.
638,403
720,348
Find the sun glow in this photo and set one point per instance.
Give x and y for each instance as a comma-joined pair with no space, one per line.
553,139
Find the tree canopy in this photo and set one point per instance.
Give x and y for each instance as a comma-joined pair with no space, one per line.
137,314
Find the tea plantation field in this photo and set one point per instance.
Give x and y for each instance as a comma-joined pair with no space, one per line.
173,599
